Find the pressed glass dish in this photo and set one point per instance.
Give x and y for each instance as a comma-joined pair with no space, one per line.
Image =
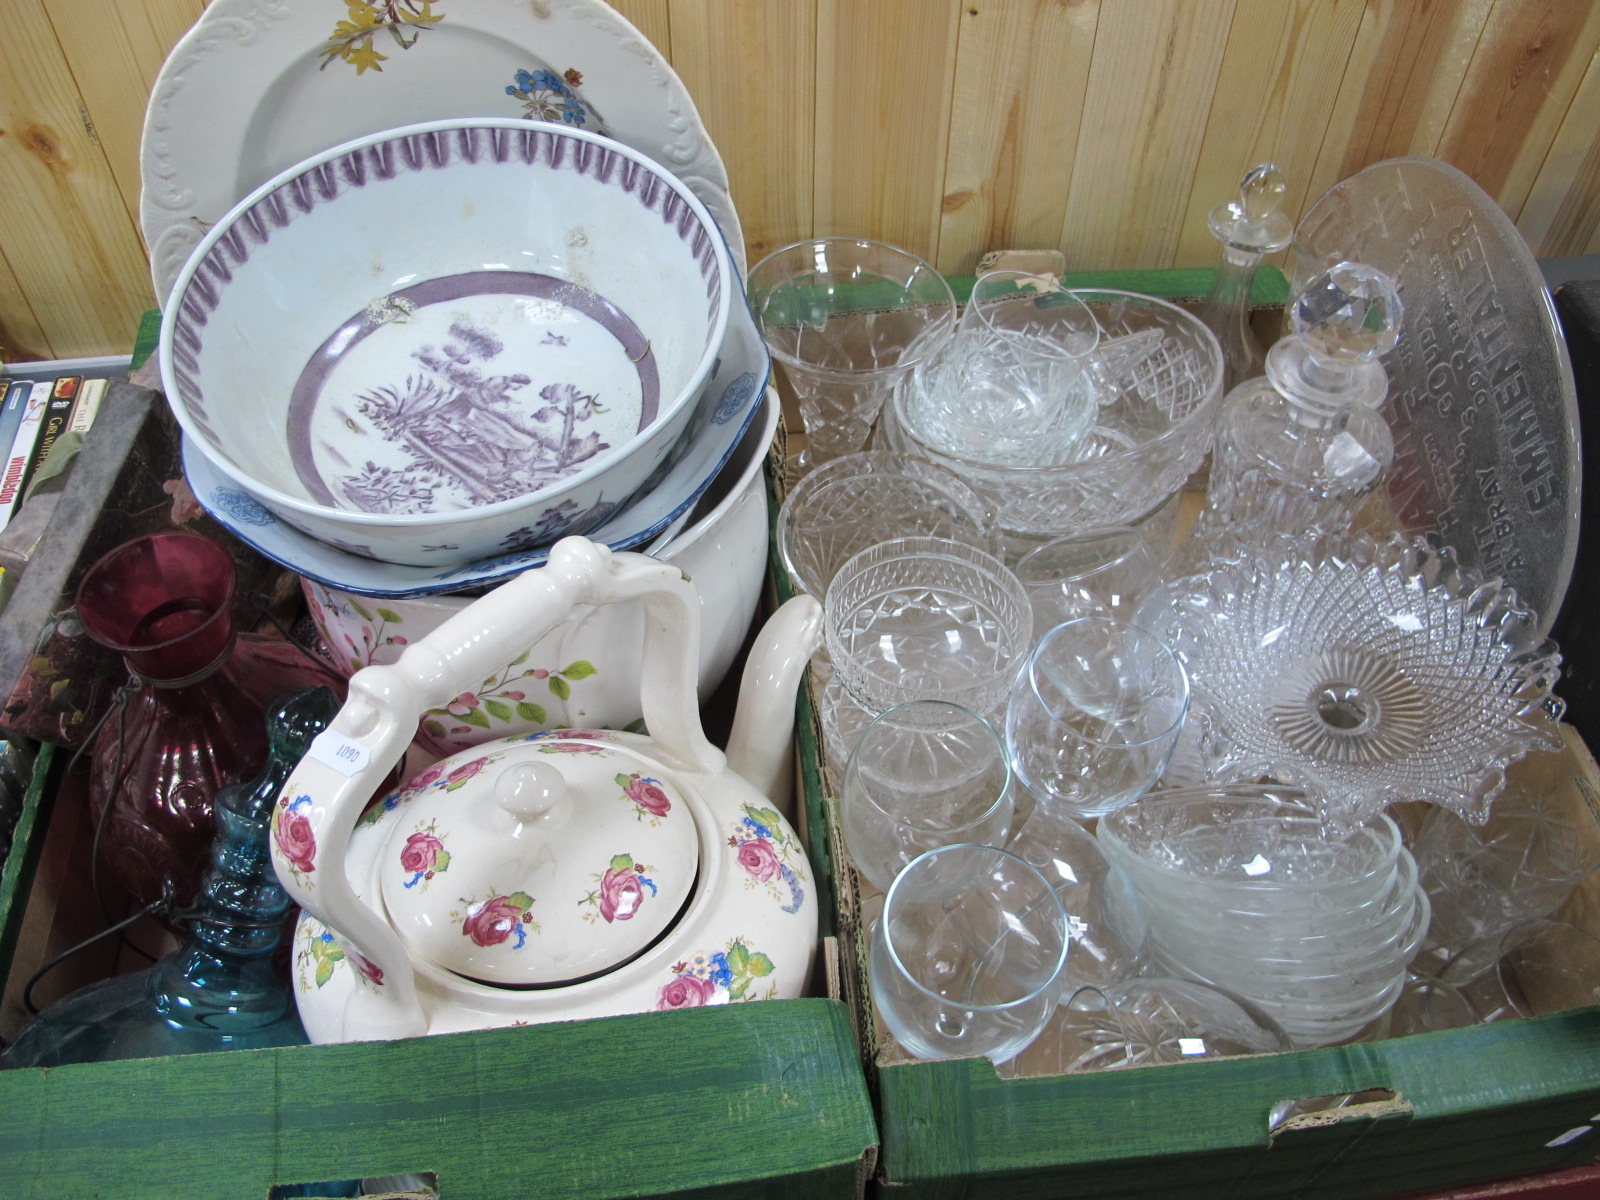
1366,672
1280,819
1248,891
1013,387
1148,1021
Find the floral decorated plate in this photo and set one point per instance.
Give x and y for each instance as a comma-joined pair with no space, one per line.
726,415
260,85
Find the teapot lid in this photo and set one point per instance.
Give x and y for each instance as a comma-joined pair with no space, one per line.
540,864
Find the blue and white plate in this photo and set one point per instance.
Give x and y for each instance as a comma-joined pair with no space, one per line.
726,407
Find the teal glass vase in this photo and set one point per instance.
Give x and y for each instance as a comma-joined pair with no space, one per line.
219,990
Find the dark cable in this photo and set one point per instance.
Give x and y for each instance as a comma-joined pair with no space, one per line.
27,991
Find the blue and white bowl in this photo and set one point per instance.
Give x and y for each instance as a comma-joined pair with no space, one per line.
449,341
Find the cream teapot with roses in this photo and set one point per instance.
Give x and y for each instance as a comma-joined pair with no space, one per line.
550,876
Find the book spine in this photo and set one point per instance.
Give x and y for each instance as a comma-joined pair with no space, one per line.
63,396
27,436
88,405
16,403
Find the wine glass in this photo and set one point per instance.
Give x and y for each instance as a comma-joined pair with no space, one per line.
1104,572
1093,718
924,775
847,318
1110,928
968,954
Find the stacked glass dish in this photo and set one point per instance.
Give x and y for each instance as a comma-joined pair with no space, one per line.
1248,890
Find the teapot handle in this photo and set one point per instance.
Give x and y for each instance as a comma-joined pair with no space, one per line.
322,800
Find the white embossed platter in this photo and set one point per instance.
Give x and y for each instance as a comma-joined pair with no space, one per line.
260,85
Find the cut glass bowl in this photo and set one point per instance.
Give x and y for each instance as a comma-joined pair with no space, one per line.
926,618
1366,672
858,500
1156,420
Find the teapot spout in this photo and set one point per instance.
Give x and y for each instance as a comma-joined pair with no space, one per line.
760,744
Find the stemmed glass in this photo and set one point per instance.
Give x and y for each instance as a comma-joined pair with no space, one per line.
1092,720
847,318
924,775
1104,572
968,954
1110,928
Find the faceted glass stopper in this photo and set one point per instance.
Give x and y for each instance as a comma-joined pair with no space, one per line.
1348,314
1253,222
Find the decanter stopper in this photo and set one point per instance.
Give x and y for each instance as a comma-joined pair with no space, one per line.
1253,223
1340,325
1248,228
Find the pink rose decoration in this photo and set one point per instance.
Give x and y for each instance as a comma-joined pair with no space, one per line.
647,794
373,973
493,921
620,894
429,776
185,507
296,842
420,852
464,772
686,991
759,858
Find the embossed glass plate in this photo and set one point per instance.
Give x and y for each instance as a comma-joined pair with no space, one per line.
257,86
1482,402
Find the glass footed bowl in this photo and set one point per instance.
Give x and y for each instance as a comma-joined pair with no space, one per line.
1158,404
926,618
855,501
1366,672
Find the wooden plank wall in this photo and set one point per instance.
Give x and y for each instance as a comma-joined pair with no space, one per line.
1106,128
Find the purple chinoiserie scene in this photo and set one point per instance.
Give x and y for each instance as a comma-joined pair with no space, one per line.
470,389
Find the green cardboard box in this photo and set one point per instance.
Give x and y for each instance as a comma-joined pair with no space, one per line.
749,1100
746,1100
1378,1119
1373,1120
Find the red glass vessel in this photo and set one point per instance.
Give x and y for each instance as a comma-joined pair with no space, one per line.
188,729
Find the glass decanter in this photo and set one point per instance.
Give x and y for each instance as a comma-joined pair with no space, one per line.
187,726
219,990
1249,229
1299,448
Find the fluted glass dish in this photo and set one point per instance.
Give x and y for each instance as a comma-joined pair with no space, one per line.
1366,672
